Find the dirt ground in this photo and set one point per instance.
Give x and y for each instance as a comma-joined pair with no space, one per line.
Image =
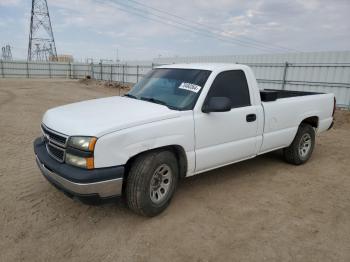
258,210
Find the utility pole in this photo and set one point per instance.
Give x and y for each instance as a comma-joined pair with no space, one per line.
41,45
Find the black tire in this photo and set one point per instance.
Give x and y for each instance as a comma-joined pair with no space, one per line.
295,153
138,184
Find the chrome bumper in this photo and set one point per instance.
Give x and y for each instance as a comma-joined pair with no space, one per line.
103,189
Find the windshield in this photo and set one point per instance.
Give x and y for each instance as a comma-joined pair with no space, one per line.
175,88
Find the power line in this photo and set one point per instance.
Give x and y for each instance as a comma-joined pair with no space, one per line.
183,26
204,27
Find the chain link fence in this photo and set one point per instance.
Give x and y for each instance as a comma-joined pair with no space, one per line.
317,77
109,72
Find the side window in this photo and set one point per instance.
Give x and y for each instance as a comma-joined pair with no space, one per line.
232,84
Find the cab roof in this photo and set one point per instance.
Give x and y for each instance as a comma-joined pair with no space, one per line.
206,66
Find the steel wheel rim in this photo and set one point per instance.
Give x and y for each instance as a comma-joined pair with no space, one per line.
160,183
305,145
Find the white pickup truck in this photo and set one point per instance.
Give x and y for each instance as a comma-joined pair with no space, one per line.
178,121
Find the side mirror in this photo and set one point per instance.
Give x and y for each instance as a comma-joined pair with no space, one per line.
217,104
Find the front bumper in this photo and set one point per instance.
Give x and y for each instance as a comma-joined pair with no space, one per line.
102,182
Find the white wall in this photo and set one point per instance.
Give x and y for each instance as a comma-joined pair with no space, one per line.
319,71
314,71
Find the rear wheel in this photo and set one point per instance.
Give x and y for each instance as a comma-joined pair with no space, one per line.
151,182
302,146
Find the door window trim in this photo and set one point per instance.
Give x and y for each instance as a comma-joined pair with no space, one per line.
245,76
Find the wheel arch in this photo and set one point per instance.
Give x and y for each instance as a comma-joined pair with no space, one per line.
311,120
178,151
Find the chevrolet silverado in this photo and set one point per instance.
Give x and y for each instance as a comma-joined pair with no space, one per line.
178,121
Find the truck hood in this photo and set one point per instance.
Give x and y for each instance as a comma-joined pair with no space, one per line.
105,115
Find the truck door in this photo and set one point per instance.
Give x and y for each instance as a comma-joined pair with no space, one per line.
226,137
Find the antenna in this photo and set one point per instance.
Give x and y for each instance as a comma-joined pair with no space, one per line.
41,45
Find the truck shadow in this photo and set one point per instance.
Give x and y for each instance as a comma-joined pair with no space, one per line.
210,180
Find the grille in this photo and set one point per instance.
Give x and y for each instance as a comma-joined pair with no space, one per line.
54,136
55,143
56,152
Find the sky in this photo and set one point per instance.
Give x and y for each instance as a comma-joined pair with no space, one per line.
146,29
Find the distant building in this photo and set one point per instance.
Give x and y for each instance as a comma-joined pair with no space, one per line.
64,58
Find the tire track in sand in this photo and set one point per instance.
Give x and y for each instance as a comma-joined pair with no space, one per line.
9,97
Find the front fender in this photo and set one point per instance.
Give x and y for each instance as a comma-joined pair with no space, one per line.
117,148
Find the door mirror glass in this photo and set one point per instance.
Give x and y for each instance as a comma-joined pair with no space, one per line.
217,104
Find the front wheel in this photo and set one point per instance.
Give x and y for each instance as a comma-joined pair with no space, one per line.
151,182
302,146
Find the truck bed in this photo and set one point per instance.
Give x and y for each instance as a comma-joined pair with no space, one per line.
267,95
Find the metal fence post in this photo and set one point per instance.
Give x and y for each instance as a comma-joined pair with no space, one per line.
92,71
152,65
72,71
137,73
50,74
101,71
68,75
126,73
284,80
2,68
111,72
123,73
27,69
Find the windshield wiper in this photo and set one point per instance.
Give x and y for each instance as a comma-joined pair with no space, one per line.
131,96
157,101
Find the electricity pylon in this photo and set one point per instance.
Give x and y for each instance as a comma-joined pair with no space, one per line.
6,53
41,45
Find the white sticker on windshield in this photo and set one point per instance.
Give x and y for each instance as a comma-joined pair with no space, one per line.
190,87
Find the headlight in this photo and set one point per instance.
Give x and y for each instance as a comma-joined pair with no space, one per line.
83,162
85,143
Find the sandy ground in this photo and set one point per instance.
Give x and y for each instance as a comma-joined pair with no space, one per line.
258,210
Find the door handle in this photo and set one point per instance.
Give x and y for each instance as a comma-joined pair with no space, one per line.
251,117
